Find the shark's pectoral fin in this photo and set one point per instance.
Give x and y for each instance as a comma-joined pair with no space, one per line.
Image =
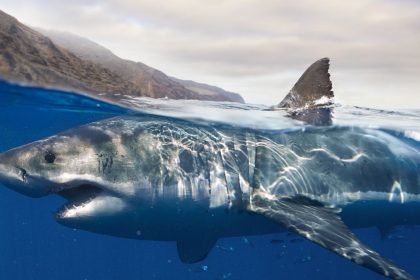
196,249
323,226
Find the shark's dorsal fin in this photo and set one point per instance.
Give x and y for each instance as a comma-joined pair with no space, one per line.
195,249
313,85
323,226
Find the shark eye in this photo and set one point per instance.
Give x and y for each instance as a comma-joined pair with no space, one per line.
49,157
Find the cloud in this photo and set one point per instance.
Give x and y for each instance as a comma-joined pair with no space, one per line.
258,48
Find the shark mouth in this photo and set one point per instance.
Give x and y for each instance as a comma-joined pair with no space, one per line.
79,200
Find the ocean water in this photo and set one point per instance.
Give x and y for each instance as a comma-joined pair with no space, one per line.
34,246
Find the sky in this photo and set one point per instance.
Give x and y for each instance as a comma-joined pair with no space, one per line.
256,48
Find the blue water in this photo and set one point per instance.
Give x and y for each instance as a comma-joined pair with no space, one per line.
34,246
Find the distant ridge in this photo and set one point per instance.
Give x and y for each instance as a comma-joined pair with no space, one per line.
73,63
210,91
153,83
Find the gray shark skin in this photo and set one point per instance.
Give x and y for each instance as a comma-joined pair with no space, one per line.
158,178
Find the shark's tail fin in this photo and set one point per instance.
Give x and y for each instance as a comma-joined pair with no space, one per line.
311,88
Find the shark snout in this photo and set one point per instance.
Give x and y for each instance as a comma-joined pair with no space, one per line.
11,176
17,178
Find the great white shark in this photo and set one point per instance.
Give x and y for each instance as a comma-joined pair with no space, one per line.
159,178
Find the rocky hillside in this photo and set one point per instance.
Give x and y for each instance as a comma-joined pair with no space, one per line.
29,56
152,82
210,92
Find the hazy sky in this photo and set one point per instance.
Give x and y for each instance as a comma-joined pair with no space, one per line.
254,47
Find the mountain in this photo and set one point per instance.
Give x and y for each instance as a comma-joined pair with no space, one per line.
152,82
28,56
213,92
